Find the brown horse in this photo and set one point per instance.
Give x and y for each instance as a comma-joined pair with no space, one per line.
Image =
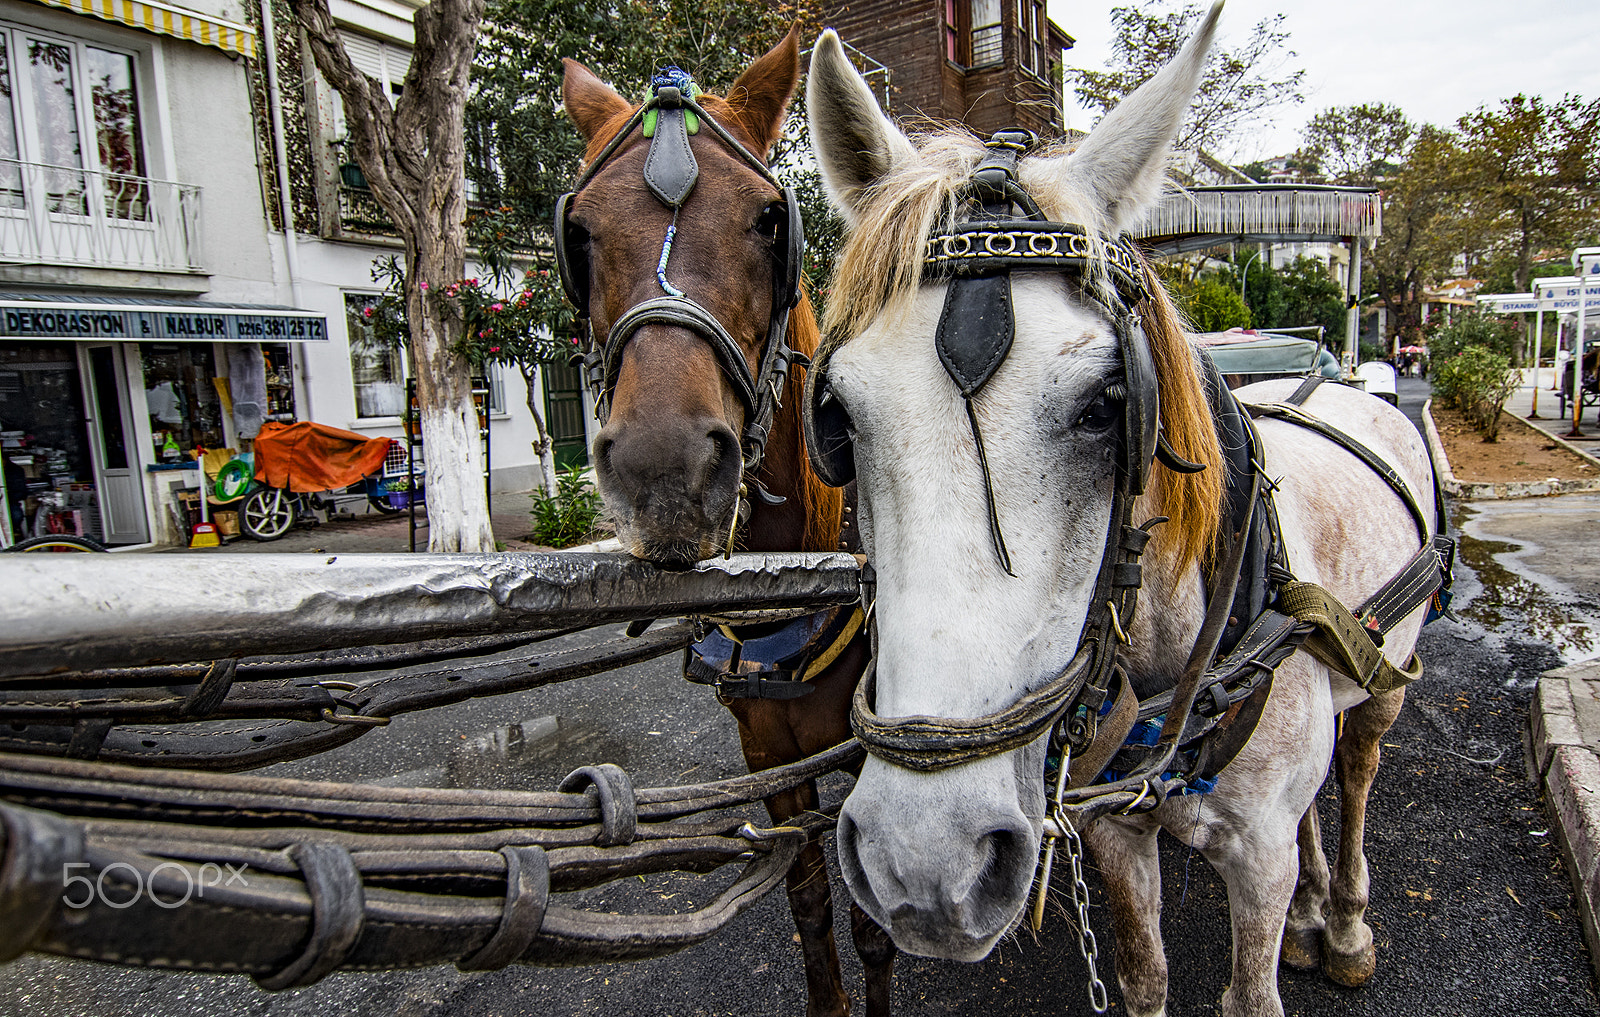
671,459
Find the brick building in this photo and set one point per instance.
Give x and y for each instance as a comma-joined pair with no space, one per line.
985,63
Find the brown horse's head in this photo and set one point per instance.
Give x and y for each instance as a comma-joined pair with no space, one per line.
668,459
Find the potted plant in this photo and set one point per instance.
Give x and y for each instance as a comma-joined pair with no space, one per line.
399,491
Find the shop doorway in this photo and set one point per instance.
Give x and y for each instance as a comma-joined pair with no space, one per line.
110,424
49,477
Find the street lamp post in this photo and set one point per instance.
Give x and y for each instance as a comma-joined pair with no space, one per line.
1244,277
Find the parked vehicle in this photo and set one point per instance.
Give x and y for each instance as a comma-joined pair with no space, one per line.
305,468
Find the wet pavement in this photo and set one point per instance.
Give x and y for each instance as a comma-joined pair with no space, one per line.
1472,908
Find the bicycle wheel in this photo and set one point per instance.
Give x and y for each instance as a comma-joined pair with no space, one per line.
267,514
56,542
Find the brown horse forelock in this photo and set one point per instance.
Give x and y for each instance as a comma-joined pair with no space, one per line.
668,371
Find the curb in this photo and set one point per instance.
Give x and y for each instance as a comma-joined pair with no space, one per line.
1472,491
1564,728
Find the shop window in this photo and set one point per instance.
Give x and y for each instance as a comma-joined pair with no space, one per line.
280,381
377,368
70,125
180,381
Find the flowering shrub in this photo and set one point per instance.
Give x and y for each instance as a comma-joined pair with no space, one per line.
531,326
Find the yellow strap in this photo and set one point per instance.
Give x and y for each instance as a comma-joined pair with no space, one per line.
826,657
1342,642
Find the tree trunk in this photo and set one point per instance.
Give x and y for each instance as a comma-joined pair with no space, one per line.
544,446
413,155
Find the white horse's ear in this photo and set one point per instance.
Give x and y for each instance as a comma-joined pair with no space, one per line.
1120,168
856,144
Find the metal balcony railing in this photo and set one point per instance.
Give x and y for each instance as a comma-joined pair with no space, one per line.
64,215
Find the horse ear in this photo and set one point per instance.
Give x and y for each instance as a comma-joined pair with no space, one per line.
856,144
761,95
1120,168
590,102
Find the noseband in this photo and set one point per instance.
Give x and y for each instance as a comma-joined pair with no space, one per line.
668,118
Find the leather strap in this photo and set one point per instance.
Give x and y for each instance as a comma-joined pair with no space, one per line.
1113,731
619,810
527,897
1308,385
338,910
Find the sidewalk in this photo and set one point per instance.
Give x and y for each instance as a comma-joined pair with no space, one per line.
369,531
1521,405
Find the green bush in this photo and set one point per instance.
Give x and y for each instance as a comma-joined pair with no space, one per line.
1477,380
1212,304
568,516
1473,362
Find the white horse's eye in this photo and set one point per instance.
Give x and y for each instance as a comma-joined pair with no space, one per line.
1103,411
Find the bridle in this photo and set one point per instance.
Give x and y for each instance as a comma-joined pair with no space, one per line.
668,118
975,332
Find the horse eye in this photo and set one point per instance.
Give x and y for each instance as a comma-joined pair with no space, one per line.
771,220
1103,411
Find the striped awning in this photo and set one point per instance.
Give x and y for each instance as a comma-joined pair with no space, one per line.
166,20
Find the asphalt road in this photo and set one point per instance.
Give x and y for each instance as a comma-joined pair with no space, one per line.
1471,906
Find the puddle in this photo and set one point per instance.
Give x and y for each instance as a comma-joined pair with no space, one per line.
1517,605
533,754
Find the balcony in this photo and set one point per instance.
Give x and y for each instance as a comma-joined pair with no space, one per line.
63,215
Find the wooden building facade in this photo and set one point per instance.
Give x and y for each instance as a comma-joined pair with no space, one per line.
984,63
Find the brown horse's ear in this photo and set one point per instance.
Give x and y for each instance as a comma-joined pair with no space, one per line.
590,102
761,95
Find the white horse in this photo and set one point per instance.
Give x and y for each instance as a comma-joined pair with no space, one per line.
945,859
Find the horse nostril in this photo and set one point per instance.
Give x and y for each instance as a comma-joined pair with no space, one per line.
602,453
1006,853
724,463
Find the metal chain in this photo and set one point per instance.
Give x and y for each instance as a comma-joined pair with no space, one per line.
1087,945
1080,897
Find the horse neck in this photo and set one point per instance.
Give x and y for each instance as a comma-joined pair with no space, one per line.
808,520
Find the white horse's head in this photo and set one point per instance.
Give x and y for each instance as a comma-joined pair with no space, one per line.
944,859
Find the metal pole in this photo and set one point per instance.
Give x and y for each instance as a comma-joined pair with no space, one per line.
113,610
1577,363
1538,342
1352,343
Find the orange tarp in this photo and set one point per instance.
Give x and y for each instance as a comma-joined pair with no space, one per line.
305,457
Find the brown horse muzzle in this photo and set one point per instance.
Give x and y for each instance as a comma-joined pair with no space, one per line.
668,459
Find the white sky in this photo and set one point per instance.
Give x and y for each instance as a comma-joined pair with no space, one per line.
1435,59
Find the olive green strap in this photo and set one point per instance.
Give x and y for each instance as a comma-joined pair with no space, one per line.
1342,642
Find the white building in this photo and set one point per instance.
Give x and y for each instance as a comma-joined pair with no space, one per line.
144,261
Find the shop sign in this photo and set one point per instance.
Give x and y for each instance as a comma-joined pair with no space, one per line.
186,324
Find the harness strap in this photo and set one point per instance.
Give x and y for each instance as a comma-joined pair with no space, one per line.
1342,641
1308,385
1283,411
1111,733
773,665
